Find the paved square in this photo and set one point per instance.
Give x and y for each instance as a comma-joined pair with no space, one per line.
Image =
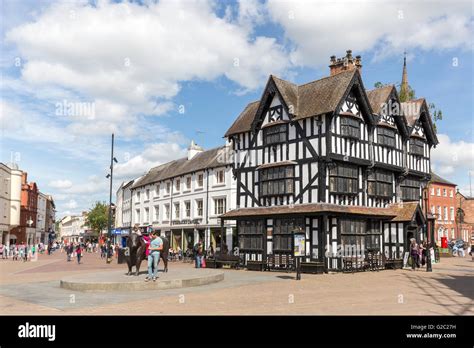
32,288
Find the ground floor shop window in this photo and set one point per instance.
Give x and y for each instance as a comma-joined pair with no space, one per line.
251,234
359,236
282,233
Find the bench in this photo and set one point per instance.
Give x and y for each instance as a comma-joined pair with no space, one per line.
280,262
312,267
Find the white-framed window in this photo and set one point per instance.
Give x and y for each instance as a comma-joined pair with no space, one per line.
438,192
451,193
433,210
157,213
440,217
157,190
432,191
445,193
177,185
168,188
452,233
167,211
199,205
452,213
137,215
147,194
188,183
220,176
187,209
138,196
176,210
219,206
446,217
147,215
200,180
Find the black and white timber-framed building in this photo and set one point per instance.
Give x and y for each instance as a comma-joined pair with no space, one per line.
345,165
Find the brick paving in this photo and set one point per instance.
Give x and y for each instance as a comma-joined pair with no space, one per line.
33,288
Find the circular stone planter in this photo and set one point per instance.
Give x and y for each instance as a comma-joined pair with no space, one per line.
118,281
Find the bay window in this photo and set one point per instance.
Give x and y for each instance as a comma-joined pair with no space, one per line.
386,136
343,178
417,147
277,181
275,134
380,184
350,127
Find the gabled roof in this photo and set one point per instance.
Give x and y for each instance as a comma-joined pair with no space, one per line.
308,100
203,160
379,97
413,110
436,178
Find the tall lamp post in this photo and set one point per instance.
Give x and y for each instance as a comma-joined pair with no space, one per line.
428,234
109,223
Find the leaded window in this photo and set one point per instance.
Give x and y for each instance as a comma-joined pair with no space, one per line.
343,178
282,233
386,136
357,236
251,233
350,127
380,184
275,134
277,181
417,147
411,189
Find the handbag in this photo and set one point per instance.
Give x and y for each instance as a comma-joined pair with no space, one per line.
203,263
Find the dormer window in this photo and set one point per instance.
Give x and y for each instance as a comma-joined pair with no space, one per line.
417,147
386,136
275,134
350,127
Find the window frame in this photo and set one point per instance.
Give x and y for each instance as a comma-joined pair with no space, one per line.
380,181
218,208
386,137
408,185
340,177
417,147
350,127
281,177
275,134
253,232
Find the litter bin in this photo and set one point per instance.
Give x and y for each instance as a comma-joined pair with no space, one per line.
121,256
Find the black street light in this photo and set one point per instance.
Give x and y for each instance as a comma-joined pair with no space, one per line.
109,223
428,234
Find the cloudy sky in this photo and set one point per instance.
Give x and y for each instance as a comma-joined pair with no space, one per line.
159,74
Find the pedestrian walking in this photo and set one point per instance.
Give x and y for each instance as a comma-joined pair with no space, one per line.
156,245
414,252
79,253
198,254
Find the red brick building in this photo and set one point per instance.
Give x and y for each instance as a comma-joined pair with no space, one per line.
26,231
465,217
442,205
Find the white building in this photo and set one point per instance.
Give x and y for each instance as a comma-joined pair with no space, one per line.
182,199
72,227
123,211
41,218
10,201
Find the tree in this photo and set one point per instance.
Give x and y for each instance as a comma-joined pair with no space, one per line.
436,114
379,84
97,217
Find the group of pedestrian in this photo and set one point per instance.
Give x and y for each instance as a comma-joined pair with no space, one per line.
74,249
418,253
21,252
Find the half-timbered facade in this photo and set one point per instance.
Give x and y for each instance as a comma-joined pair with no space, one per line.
342,164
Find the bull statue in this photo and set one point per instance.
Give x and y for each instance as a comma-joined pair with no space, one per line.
135,252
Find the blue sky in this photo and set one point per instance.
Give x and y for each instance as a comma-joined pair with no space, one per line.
160,74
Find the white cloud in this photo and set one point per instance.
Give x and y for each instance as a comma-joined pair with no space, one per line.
452,157
72,204
60,184
152,156
319,29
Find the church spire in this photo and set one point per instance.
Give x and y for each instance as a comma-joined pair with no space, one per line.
404,88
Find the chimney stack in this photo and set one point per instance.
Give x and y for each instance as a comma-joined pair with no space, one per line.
193,150
346,63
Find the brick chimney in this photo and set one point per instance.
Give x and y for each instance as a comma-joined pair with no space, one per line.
346,63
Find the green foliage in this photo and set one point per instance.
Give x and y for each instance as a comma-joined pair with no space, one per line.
436,115
406,95
97,217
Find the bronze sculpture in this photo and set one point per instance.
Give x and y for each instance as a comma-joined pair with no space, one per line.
135,252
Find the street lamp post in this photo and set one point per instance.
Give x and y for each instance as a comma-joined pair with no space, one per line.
430,239
109,222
